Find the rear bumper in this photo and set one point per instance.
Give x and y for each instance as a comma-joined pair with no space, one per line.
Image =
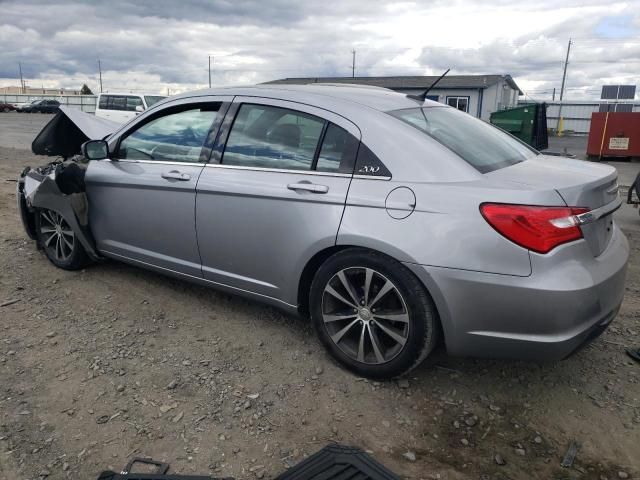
568,300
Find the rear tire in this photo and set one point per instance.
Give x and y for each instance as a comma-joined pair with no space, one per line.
59,242
372,314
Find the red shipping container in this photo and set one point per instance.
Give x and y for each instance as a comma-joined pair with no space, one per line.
614,134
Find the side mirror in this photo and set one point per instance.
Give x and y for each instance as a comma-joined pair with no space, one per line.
139,108
95,150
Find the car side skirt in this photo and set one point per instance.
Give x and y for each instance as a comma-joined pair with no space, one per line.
288,308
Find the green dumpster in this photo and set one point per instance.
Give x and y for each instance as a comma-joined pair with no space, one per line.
528,123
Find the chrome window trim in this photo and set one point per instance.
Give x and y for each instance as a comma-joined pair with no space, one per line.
279,170
156,162
308,108
114,139
255,169
371,177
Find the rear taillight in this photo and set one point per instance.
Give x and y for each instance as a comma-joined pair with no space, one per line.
540,229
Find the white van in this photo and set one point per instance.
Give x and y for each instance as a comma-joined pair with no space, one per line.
122,107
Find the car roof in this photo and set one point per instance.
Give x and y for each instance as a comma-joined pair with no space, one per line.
322,95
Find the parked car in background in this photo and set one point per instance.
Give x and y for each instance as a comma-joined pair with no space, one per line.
391,222
122,107
6,107
44,106
21,107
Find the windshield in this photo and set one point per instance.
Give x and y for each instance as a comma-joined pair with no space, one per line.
153,99
480,144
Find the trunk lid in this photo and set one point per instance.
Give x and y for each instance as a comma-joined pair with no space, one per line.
577,182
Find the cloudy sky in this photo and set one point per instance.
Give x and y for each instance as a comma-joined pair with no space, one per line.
164,44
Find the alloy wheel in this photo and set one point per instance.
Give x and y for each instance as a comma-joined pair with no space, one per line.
365,315
57,236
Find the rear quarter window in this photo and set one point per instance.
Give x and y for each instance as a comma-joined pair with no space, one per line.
338,151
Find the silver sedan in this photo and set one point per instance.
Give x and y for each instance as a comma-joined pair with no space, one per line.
393,223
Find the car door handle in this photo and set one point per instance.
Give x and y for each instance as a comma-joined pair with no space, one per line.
176,175
308,187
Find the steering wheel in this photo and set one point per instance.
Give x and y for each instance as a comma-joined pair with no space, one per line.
146,154
153,150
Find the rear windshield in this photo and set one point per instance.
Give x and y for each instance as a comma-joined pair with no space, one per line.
480,144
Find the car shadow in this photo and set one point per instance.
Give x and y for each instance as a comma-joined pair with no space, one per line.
437,366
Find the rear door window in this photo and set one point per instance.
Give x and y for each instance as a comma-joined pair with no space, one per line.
272,137
265,136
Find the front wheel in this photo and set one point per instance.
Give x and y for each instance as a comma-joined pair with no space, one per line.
60,243
372,314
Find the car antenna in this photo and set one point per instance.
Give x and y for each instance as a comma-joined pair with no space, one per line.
423,96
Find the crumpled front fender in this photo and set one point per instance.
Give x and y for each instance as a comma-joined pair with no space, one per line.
36,191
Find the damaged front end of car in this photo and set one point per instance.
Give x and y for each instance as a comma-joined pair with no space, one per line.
59,186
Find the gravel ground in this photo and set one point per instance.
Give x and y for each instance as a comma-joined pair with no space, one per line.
100,365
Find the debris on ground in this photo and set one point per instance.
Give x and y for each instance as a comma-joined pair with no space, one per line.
103,364
570,455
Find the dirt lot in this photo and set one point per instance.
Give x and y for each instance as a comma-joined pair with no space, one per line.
107,363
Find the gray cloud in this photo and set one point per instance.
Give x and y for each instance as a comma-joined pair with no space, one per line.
540,58
165,44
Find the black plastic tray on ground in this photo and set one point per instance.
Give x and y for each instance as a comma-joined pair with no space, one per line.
333,462
339,462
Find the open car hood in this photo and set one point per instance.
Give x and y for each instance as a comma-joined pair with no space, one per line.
68,130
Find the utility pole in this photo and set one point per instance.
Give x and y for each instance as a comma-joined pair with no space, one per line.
564,73
100,71
553,98
210,57
564,77
21,79
353,64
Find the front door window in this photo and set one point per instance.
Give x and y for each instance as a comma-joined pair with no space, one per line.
176,137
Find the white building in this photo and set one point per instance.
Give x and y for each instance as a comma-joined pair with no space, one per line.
479,95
